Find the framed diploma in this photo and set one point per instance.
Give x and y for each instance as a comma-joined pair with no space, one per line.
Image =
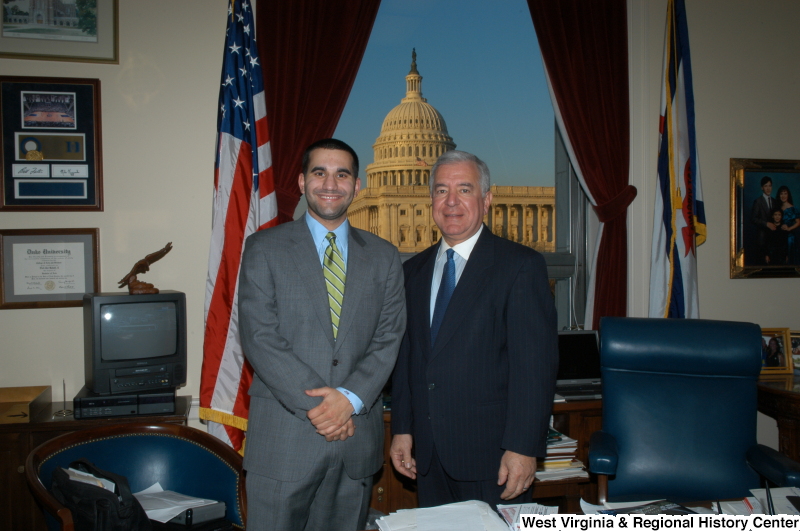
51,144
48,268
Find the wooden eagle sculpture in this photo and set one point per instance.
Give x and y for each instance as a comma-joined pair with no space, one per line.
137,287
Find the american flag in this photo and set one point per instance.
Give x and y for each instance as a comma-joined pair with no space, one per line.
679,223
244,201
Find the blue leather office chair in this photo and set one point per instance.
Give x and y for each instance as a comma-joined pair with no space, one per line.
679,412
180,458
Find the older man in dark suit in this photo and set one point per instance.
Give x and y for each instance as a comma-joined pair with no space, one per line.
321,313
473,388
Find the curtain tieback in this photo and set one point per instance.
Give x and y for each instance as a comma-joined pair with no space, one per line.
616,205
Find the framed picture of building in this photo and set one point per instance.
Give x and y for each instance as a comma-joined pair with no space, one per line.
61,30
52,144
765,218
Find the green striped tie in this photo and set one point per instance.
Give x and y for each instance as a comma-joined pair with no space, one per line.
335,274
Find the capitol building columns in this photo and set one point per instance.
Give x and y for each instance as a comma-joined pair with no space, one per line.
395,203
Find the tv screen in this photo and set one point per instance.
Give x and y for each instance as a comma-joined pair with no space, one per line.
134,343
136,331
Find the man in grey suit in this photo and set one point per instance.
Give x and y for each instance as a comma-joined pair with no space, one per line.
321,313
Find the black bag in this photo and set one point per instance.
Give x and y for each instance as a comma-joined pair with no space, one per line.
95,508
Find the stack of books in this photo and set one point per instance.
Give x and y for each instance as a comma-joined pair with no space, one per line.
560,462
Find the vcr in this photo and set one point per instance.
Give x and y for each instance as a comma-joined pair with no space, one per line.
87,404
136,379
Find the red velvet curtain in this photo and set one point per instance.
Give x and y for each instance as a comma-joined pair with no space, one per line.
310,52
585,50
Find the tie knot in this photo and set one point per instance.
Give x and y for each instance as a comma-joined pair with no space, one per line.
331,237
450,254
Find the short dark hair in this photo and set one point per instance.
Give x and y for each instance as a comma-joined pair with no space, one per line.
766,179
774,210
330,143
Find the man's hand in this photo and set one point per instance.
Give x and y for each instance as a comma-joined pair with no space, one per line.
401,455
517,472
771,226
332,414
342,433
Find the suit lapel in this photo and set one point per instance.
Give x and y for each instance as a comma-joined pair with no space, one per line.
355,286
306,260
472,282
424,297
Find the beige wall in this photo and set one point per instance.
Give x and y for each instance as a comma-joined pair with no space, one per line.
159,116
159,120
746,82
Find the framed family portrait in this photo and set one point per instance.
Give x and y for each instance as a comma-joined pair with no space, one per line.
776,354
57,30
765,220
794,337
51,144
48,268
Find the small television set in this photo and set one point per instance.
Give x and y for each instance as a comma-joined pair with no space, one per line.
134,343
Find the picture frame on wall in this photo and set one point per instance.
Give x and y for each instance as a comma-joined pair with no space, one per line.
51,137
765,218
80,31
48,268
794,337
776,355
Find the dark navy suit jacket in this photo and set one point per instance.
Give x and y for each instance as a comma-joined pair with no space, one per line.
487,384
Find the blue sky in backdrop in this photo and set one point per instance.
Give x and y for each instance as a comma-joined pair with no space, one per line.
481,69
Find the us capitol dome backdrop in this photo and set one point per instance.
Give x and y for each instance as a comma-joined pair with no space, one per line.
396,203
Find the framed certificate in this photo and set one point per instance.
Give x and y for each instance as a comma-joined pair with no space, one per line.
51,144
48,268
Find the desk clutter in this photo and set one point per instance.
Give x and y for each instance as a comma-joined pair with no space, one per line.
470,515
774,501
561,462
101,499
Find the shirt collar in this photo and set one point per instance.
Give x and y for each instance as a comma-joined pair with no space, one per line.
319,232
463,249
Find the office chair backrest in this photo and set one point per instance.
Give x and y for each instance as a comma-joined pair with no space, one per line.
180,458
679,396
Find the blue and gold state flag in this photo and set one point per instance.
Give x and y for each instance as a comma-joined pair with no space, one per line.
679,223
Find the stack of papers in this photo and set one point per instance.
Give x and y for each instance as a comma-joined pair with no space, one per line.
164,505
511,513
747,506
560,462
471,515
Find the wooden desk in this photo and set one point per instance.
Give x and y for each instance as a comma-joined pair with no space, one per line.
779,398
391,491
18,509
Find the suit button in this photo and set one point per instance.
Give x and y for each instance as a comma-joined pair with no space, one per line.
335,363
431,386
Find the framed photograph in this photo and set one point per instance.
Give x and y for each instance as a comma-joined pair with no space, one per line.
775,351
51,140
765,219
794,337
52,30
48,268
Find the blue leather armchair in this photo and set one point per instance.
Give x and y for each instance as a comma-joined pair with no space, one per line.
180,458
679,412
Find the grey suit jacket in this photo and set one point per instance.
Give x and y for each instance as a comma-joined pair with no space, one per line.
286,335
